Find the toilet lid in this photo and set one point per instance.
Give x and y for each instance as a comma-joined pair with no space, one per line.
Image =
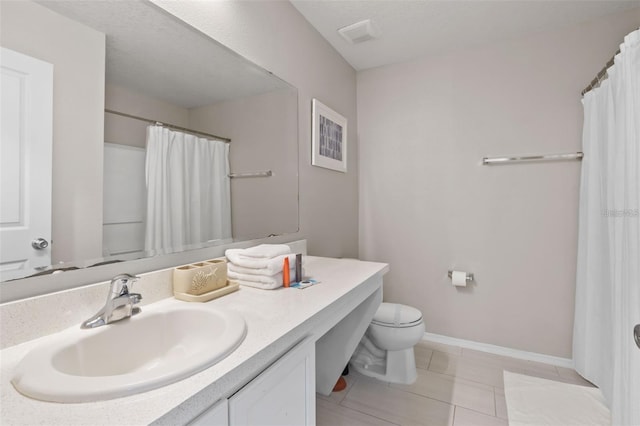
396,314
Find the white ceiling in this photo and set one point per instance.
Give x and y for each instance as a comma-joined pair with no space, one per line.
418,28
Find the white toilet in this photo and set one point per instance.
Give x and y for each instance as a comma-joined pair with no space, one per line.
386,350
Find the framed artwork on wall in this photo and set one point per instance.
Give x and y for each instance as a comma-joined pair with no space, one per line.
329,138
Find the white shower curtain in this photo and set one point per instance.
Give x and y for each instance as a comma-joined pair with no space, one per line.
608,274
188,190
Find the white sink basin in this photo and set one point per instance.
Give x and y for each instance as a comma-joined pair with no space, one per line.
149,350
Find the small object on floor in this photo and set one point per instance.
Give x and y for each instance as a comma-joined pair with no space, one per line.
341,385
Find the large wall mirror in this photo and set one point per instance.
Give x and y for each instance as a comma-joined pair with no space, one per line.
126,76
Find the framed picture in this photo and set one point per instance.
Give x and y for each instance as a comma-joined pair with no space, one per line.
329,138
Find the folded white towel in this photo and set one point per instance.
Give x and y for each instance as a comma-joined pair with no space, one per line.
274,280
266,251
273,265
269,271
263,279
258,285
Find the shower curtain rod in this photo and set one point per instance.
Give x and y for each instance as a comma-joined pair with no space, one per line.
172,126
601,75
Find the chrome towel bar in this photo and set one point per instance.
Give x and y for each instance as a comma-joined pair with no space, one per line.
551,157
265,173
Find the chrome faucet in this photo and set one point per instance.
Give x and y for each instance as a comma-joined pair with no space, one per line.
119,303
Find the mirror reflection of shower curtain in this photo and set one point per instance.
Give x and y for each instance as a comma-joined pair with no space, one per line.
608,274
188,190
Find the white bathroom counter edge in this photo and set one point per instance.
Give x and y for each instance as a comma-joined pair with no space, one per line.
276,320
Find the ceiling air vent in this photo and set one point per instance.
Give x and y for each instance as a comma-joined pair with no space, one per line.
360,31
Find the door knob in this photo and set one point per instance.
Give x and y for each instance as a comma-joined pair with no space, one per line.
39,243
636,334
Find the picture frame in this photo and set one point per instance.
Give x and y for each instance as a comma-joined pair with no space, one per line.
328,138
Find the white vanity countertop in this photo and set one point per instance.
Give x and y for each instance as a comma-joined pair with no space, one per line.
276,319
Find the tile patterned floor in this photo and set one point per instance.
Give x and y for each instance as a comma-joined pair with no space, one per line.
455,387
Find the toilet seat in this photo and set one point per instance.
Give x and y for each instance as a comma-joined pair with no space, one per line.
395,315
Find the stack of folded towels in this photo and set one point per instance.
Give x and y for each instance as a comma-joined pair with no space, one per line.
260,266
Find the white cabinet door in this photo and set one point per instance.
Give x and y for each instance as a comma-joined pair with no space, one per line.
216,415
25,162
284,394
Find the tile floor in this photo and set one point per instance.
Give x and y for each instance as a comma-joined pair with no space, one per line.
455,387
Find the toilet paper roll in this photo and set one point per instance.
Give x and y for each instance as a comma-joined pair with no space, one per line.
459,278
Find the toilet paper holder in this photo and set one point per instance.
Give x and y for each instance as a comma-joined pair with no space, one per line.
468,277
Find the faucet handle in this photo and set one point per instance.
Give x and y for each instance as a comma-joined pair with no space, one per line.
120,284
135,297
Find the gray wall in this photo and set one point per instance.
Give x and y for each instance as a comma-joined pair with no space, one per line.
275,36
264,136
126,131
427,205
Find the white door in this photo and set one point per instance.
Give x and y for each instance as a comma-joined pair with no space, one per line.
26,117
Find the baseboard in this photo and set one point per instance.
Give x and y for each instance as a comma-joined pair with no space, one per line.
499,350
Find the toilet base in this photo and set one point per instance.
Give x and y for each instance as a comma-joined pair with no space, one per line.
400,367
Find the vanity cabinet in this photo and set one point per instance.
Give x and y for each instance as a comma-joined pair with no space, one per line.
296,340
283,394
216,415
